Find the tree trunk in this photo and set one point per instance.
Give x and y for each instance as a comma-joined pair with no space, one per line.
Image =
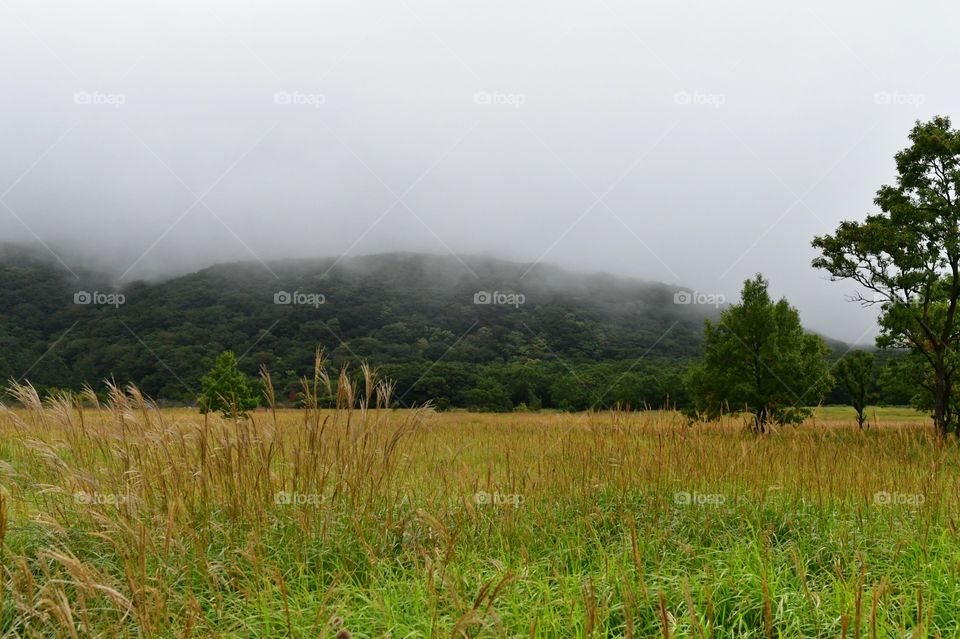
942,417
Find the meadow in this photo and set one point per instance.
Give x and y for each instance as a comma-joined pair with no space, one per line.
119,519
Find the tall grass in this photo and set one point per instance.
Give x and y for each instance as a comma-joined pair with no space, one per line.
119,519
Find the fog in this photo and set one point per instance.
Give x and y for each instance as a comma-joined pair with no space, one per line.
689,143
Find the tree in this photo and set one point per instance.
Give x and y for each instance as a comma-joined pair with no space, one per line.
855,374
899,381
488,395
908,379
908,257
758,359
226,389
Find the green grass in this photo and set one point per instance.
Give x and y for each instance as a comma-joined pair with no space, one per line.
783,535
875,414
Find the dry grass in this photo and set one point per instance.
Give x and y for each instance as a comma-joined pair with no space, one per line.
125,520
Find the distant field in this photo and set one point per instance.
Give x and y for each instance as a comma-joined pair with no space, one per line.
875,414
126,521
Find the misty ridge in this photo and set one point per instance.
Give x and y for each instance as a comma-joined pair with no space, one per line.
445,272
458,331
418,317
156,146
438,267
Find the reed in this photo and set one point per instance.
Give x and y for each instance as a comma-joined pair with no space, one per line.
119,519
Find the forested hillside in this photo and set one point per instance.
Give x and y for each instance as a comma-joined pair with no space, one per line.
480,333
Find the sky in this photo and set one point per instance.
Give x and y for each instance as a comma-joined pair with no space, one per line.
690,143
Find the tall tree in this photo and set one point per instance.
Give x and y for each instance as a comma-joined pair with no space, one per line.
226,389
908,257
758,359
855,373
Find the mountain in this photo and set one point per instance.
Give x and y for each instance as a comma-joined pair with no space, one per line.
463,331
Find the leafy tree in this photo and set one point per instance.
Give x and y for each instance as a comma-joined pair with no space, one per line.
757,358
899,381
908,257
855,372
630,390
488,395
908,380
572,390
226,389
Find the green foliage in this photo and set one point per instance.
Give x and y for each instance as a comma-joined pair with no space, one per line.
899,380
413,316
226,389
648,382
855,372
910,381
908,257
758,359
579,342
488,395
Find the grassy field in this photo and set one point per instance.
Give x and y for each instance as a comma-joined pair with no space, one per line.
123,520
876,415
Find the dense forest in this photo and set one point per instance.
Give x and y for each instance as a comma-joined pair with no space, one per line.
479,333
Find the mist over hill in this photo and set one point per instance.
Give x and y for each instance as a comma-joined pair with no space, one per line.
459,330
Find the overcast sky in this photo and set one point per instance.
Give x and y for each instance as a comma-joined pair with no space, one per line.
693,143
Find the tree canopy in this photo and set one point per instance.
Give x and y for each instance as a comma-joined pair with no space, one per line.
907,257
855,372
226,389
758,359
